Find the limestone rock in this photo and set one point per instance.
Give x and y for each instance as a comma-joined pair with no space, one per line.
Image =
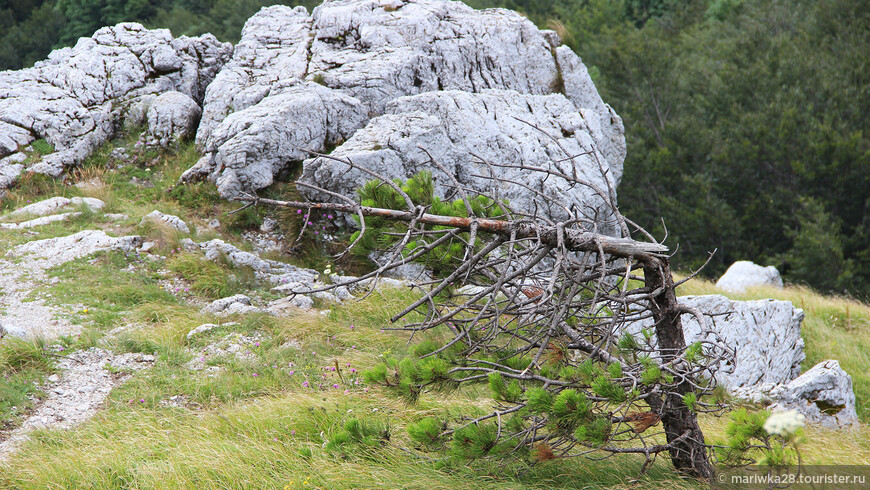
55,251
289,304
251,147
238,304
269,270
74,99
10,168
410,271
744,274
824,394
766,335
55,204
494,126
169,220
39,221
302,82
12,138
207,327
172,116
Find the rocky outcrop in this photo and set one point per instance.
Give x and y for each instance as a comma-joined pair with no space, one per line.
744,274
55,204
824,394
300,83
474,136
238,304
271,271
765,334
55,251
76,98
766,338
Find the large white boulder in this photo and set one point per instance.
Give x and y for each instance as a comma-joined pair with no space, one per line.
76,97
496,127
300,82
766,335
744,274
824,394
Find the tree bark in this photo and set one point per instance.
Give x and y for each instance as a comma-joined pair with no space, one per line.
688,454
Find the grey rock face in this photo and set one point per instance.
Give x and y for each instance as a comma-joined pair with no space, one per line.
75,97
766,336
171,116
824,394
745,274
307,82
765,333
251,147
494,126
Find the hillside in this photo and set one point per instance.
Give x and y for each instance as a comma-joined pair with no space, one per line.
158,331
263,419
748,113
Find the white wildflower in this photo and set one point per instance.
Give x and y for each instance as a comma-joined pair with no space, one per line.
784,423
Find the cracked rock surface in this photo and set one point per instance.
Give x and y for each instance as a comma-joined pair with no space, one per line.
824,394
76,97
766,335
171,116
496,127
55,251
300,82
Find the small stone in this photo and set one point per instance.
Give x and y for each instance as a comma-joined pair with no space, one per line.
172,221
189,245
54,378
269,225
205,327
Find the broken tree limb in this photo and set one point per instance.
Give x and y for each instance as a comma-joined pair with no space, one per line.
574,240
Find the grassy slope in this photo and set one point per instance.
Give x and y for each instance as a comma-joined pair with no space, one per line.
256,424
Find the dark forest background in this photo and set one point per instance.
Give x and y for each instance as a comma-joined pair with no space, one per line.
746,120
